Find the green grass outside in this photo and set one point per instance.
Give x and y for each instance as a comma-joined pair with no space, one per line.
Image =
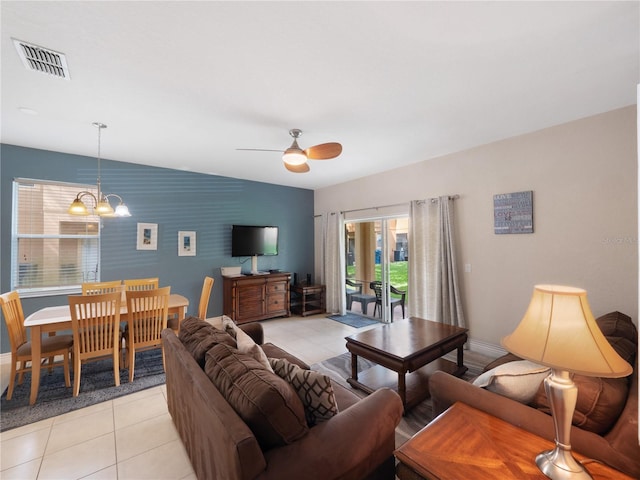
397,274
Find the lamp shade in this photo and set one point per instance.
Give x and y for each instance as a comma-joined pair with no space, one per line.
77,207
103,208
558,330
122,211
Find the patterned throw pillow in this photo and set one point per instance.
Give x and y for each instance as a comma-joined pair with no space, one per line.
313,388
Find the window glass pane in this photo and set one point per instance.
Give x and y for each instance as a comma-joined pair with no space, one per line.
55,262
50,248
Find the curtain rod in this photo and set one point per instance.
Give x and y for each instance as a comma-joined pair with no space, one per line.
434,199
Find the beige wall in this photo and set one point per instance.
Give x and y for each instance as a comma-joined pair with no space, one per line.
584,181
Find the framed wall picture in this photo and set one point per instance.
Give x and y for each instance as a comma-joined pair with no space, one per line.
513,213
186,244
147,236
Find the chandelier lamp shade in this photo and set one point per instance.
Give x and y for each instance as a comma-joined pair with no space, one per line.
100,202
559,331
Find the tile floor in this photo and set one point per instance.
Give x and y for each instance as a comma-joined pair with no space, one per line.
133,437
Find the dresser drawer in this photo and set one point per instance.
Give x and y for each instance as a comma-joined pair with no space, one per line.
276,287
276,302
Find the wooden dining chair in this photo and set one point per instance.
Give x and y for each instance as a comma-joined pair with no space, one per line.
21,347
95,288
95,320
204,297
137,284
147,312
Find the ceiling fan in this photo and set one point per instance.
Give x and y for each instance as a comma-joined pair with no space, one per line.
295,159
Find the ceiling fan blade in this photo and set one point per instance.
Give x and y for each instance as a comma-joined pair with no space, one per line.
302,168
258,150
324,151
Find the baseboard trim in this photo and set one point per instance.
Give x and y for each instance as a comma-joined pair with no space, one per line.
486,348
5,358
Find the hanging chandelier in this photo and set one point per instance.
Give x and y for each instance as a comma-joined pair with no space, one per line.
101,205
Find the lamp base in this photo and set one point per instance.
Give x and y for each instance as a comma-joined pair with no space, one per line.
559,464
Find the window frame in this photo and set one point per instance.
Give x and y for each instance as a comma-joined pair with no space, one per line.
43,291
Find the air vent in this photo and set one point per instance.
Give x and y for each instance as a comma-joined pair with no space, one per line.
42,60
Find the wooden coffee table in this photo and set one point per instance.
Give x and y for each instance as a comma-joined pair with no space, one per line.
465,442
407,352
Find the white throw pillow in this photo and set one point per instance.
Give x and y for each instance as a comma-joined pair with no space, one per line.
244,341
518,380
216,321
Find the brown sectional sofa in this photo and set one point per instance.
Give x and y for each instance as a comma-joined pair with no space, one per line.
613,441
356,443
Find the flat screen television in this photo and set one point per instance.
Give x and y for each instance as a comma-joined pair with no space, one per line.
252,240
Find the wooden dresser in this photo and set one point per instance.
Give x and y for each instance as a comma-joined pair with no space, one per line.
248,298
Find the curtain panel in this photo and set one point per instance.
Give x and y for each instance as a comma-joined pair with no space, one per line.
332,261
434,291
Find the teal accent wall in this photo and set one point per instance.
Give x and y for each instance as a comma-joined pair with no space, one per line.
176,200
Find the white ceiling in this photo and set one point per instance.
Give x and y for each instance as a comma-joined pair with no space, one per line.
184,84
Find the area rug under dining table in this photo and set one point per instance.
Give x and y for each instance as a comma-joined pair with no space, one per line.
96,386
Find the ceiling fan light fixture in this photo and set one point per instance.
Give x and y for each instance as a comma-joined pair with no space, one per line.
295,159
294,156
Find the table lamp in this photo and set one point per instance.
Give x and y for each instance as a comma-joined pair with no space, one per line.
558,330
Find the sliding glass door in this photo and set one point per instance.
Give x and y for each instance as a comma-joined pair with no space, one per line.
376,267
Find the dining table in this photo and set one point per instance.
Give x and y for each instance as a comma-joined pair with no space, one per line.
58,318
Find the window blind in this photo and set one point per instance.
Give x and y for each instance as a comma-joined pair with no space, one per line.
51,250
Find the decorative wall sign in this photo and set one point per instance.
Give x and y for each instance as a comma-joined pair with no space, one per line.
147,236
186,244
513,213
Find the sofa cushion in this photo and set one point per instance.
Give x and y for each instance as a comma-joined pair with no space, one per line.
601,400
273,351
313,388
518,380
599,404
621,333
198,337
265,402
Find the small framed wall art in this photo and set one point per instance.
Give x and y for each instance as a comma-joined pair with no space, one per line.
513,213
147,236
186,244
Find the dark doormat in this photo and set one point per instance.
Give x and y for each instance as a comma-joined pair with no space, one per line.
354,320
96,385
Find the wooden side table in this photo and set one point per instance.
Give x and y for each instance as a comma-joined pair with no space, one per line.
308,299
465,442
